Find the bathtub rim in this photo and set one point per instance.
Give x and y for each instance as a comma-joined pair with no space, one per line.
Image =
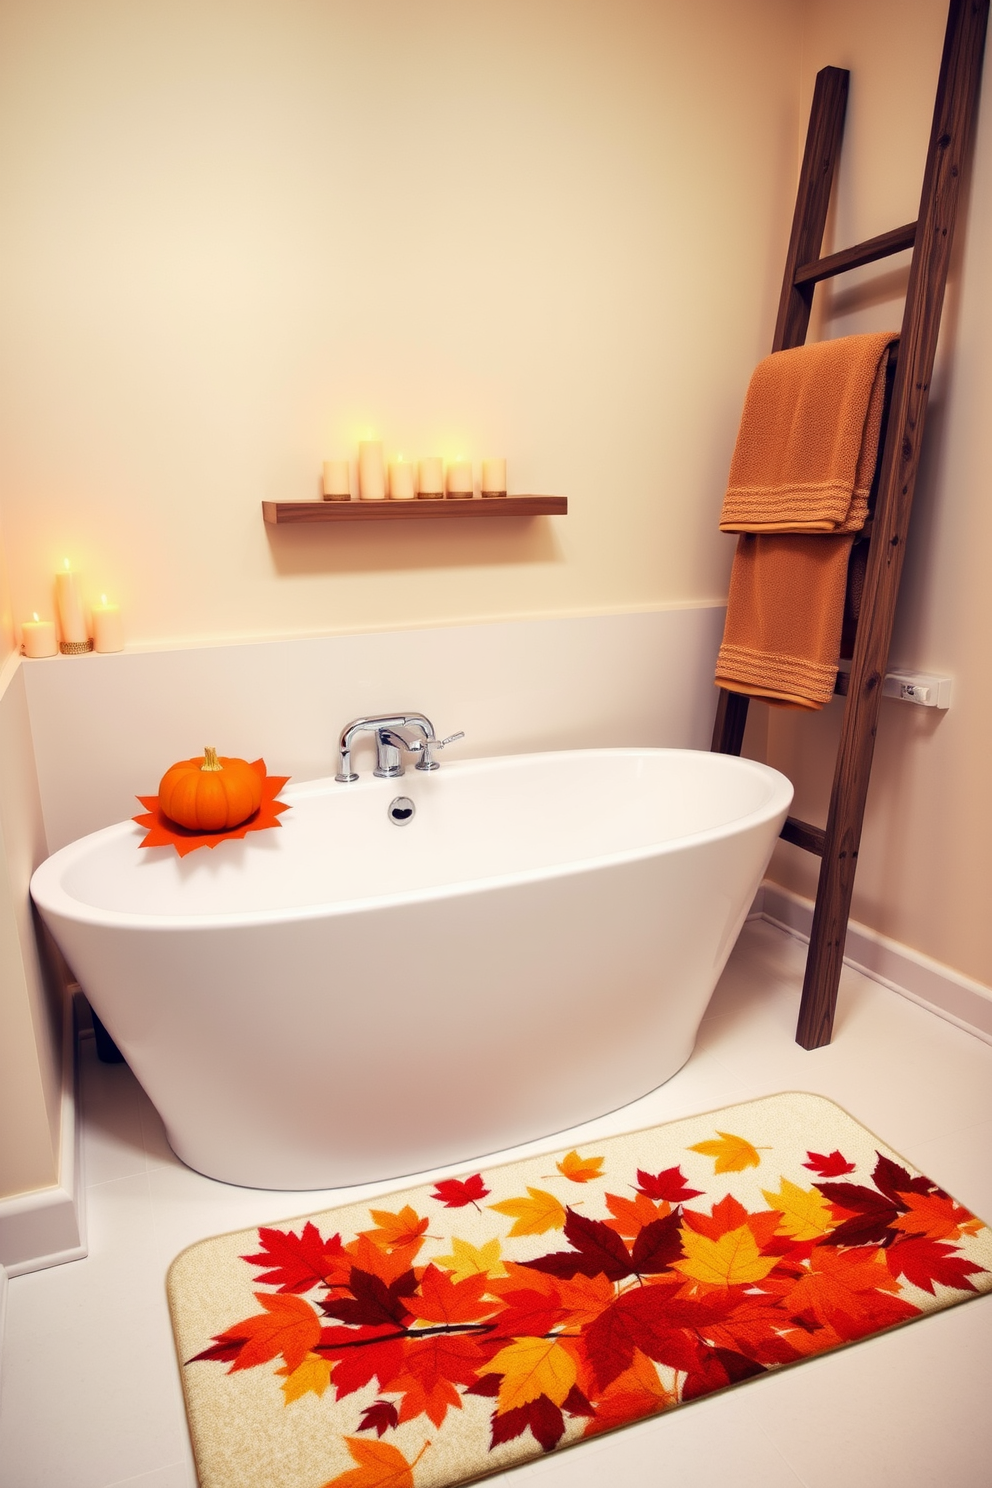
50,896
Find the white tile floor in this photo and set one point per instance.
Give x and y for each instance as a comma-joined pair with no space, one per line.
91,1394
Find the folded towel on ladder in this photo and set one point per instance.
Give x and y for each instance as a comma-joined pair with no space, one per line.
798,492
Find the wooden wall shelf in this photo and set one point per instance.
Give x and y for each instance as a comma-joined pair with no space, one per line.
282,513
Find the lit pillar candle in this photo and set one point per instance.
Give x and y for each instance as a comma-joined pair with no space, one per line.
108,631
402,486
460,483
431,477
337,480
72,616
494,477
38,637
371,471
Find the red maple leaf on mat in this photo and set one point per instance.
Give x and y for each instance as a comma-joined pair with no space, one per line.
455,1193
298,1262
380,1417
669,1184
924,1261
831,1165
165,833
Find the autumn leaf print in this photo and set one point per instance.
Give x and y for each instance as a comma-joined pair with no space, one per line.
732,1154
296,1263
455,1193
314,1374
534,1215
288,1326
380,1465
733,1260
393,1231
806,1215
924,1262
670,1184
380,1417
580,1169
831,1165
935,1216
531,1367
474,1260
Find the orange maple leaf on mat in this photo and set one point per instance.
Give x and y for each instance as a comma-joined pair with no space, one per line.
733,1154
379,1466
288,1326
580,1169
935,1216
393,1231
165,833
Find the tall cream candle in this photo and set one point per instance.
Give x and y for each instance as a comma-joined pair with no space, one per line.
371,471
108,630
337,480
38,637
431,475
494,477
460,482
72,616
402,486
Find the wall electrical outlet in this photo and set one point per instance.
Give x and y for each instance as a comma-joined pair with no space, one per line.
921,688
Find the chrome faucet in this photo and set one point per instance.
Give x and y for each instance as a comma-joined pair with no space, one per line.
389,742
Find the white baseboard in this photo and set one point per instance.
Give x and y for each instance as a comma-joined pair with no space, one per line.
48,1226
3,1318
934,986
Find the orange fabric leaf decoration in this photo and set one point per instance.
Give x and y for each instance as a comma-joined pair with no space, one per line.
580,1169
165,833
379,1466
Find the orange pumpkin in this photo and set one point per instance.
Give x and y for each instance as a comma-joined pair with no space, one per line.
210,794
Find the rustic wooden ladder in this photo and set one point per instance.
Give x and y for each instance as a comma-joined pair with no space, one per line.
930,237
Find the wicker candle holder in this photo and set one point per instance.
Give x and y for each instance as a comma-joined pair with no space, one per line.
490,494
430,495
75,648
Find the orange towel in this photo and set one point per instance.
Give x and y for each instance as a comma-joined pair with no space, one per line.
806,448
798,491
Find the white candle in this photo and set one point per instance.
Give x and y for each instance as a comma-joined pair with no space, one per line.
371,471
38,637
337,480
401,483
432,476
494,477
72,616
108,631
460,483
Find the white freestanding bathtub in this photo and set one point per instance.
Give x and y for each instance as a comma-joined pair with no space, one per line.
342,999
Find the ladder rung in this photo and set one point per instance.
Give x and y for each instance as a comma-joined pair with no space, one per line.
867,252
803,835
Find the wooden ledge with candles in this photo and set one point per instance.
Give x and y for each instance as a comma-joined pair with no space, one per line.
295,513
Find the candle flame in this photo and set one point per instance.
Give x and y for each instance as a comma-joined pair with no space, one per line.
66,562
35,612
103,599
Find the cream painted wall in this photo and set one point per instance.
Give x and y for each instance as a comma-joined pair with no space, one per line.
923,876
30,1020
235,235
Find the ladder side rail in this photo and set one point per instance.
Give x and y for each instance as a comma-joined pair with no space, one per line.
950,143
816,177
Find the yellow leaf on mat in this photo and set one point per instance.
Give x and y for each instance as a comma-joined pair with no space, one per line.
531,1367
533,1216
472,1260
313,1374
733,1260
580,1169
805,1213
733,1154
379,1466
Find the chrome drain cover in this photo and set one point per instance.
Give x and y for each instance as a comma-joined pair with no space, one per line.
400,811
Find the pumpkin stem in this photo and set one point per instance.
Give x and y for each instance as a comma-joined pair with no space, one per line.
210,760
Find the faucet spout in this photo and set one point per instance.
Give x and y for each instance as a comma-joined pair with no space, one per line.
389,764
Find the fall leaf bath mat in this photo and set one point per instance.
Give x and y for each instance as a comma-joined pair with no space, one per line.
457,1328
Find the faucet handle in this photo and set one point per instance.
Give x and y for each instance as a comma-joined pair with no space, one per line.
428,762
